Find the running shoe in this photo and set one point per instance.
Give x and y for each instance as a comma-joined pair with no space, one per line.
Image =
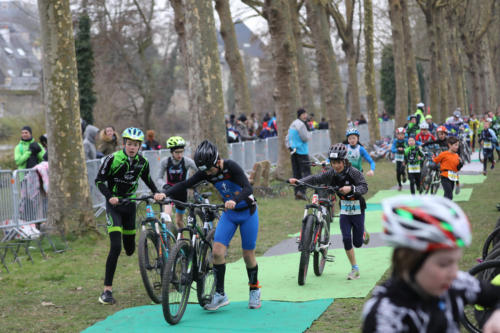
218,301
107,298
366,238
457,190
353,275
493,165
254,300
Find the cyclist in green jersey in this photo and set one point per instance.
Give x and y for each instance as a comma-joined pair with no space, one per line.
117,179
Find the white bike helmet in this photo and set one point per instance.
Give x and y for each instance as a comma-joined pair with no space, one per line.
424,126
425,223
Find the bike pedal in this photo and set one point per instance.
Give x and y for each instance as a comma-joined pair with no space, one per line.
330,258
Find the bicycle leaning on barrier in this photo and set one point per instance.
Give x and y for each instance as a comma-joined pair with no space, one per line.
191,260
315,233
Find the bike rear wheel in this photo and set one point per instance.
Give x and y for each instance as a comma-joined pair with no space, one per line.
176,284
205,283
319,258
151,263
305,240
435,182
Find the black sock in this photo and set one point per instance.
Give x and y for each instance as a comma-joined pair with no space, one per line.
220,271
253,281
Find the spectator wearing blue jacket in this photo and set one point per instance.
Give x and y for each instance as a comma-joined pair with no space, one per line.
297,141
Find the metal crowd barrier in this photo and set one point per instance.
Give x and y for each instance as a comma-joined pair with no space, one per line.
386,130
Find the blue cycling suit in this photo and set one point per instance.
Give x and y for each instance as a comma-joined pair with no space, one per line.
232,184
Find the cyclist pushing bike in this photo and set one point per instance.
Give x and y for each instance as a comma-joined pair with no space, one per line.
352,185
118,178
426,292
237,193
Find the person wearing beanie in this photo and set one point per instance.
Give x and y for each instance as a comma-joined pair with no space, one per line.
297,142
242,129
27,150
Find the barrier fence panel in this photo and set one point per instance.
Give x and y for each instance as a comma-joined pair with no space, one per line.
261,150
6,198
249,153
273,146
98,200
387,128
238,153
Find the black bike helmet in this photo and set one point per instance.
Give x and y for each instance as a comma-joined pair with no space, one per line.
206,155
337,152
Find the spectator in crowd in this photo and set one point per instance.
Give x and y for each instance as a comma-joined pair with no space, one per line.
44,142
89,140
362,120
232,119
27,150
313,124
254,124
231,133
323,124
385,116
241,127
297,141
109,141
151,143
273,124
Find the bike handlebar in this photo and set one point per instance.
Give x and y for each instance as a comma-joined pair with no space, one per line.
333,189
194,205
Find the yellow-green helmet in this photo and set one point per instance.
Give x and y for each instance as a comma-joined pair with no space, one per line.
133,133
175,142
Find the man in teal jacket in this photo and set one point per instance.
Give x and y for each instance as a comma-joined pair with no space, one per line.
27,150
298,136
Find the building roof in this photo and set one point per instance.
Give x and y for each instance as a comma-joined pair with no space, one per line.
248,43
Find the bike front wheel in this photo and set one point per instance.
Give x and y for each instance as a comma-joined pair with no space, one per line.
319,257
176,283
305,241
151,263
205,283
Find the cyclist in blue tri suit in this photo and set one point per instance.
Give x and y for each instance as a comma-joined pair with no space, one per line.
118,178
237,193
356,152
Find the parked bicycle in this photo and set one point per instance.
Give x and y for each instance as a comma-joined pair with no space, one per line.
155,242
315,232
191,260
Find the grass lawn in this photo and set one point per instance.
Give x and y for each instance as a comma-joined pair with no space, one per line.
60,293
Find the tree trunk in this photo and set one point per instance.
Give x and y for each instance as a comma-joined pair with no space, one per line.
286,94
494,44
481,67
371,91
306,95
195,24
233,58
442,65
411,66
399,62
456,67
474,74
70,207
328,72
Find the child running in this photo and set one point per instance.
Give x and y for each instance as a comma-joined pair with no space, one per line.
398,149
426,292
232,183
174,169
353,186
413,160
450,164
356,152
488,140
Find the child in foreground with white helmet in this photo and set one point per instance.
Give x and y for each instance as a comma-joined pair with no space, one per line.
427,292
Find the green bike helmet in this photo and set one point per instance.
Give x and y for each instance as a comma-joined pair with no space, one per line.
133,133
175,142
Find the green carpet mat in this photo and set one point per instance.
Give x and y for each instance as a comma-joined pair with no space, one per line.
271,317
472,179
278,276
464,195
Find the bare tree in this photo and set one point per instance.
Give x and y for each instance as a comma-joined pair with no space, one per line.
330,84
411,66
371,91
233,58
346,33
70,207
195,26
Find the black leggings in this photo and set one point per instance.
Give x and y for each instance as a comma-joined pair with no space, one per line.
114,252
301,168
488,154
414,180
400,171
448,186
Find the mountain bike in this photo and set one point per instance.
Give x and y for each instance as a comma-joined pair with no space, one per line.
190,260
155,242
475,316
315,232
430,176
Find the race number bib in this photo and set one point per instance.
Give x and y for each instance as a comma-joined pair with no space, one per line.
414,168
487,145
399,157
350,207
453,176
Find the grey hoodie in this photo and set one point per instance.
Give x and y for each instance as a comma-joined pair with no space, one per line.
89,142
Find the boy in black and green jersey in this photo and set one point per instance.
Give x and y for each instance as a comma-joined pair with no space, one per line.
118,178
413,161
